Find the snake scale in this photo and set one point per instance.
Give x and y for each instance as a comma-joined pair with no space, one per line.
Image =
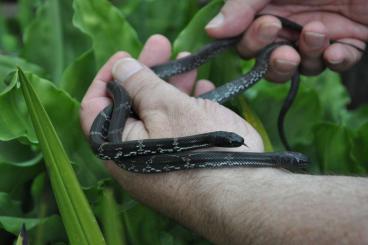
171,154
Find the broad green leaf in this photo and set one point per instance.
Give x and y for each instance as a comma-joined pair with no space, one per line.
14,115
360,146
161,16
80,224
51,41
111,219
18,154
14,224
78,76
194,36
333,143
9,207
8,42
107,28
332,94
52,224
13,177
8,64
16,125
356,118
266,99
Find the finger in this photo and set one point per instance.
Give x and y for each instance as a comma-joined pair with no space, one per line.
284,62
149,93
103,75
186,81
157,50
314,40
95,99
234,18
262,32
341,56
203,86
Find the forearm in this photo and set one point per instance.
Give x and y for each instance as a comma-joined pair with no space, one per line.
271,206
238,206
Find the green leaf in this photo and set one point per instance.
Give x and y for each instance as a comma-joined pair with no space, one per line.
8,64
79,75
18,154
194,36
266,99
107,28
13,120
360,146
80,224
332,94
9,207
50,40
333,144
111,220
356,118
16,125
8,42
161,16
13,177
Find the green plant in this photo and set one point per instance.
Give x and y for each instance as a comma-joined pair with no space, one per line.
60,50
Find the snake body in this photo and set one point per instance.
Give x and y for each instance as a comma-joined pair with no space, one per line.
171,154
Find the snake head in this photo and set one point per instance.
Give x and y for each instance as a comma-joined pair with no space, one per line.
227,139
296,159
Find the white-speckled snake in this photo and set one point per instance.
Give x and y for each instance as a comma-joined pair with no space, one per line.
170,154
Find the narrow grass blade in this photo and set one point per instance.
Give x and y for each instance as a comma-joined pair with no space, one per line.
113,229
79,221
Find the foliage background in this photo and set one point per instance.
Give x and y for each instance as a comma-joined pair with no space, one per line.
62,43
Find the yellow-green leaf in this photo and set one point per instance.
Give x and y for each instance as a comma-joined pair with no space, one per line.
79,221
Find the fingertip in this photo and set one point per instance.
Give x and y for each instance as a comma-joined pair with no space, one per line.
104,74
262,31
340,56
232,20
156,50
314,39
284,62
203,86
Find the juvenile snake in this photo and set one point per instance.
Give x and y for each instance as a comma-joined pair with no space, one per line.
170,154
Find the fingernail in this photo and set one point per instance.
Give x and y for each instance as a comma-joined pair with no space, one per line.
268,31
182,54
335,62
284,66
216,22
314,39
125,68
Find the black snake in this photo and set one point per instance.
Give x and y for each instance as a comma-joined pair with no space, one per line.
170,154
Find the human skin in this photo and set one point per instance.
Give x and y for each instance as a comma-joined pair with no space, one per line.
323,20
226,206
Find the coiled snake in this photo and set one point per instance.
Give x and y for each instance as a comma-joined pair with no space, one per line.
170,154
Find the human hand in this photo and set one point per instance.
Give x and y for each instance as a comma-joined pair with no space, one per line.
323,21
166,111
227,206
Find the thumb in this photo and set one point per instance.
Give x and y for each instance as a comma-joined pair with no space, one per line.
234,17
147,90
